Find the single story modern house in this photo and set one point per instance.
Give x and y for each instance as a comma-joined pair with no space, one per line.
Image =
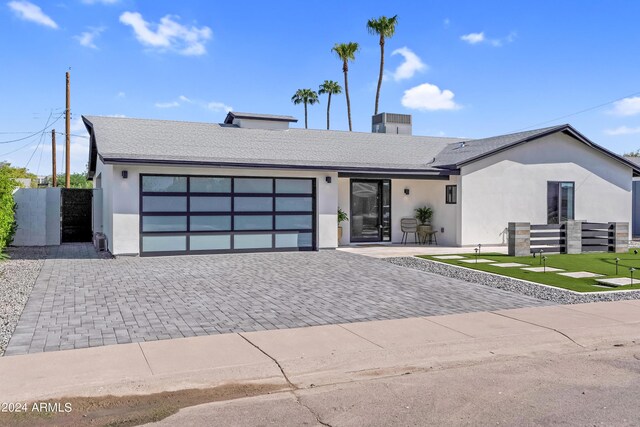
253,184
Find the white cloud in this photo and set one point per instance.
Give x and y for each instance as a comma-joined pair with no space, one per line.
622,130
207,105
473,38
121,94
171,104
30,12
477,38
626,107
446,22
428,97
121,116
411,65
87,38
218,106
168,35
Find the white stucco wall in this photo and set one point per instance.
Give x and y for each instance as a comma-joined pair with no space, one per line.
37,216
512,186
421,192
103,179
121,200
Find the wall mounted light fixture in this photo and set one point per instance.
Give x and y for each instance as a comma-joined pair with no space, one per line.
328,179
406,191
125,174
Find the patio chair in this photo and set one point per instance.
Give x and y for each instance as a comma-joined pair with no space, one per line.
409,226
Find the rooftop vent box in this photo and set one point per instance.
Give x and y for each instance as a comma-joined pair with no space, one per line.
399,124
258,121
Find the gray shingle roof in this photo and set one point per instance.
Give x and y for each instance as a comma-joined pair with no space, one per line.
160,140
163,141
455,154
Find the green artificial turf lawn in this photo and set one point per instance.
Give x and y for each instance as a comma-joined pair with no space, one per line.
599,263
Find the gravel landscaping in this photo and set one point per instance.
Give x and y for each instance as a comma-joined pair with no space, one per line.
544,292
17,277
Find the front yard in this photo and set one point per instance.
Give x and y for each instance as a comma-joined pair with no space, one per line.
602,264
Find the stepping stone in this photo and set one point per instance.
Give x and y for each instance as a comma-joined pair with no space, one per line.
618,281
474,261
448,257
509,264
580,274
542,269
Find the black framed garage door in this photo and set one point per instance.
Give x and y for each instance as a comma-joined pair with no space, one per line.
183,214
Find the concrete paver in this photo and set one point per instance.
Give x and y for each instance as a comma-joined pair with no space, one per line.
80,300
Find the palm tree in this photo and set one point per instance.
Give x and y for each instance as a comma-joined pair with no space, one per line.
346,52
385,28
306,97
329,87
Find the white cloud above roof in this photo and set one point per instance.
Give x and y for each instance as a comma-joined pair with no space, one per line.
478,38
622,130
28,11
429,97
626,107
168,35
473,38
412,64
87,38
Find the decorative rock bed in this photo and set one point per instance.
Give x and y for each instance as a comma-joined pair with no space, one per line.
561,296
17,277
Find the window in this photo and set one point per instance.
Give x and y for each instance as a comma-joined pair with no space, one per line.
560,201
451,194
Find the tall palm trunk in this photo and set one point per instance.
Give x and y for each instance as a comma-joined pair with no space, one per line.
381,71
328,109
345,70
305,116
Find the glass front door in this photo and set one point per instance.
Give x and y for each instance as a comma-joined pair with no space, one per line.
370,210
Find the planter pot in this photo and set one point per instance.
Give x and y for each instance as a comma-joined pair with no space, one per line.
427,228
339,234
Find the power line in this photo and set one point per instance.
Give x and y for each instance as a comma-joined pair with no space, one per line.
35,133
577,112
40,142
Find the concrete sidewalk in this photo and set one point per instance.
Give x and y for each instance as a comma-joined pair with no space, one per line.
320,355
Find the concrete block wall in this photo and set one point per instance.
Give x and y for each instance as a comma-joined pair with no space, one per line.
519,238
573,237
37,216
620,236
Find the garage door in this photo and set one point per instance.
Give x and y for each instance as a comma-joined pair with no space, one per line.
211,214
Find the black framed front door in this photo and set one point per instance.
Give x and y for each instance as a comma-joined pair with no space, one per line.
370,210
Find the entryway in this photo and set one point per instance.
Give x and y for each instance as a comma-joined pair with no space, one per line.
370,210
76,223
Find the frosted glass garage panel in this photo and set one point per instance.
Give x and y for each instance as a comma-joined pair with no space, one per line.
293,222
176,184
252,222
210,223
289,186
164,223
164,204
210,204
164,243
210,185
294,204
253,204
210,243
253,185
252,241
293,240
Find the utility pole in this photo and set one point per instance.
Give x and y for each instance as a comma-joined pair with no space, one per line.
67,138
54,177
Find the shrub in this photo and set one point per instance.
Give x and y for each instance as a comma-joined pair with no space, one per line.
424,215
342,216
7,209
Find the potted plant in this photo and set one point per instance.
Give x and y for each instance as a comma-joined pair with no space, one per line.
342,217
424,215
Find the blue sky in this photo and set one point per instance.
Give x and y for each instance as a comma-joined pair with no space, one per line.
471,68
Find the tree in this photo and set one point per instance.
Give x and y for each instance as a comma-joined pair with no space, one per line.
385,28
329,87
7,207
18,173
346,52
77,180
306,97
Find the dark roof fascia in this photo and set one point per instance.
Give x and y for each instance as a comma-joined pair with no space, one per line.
383,175
421,172
567,130
93,150
268,119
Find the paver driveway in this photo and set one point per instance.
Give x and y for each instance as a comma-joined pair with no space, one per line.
80,302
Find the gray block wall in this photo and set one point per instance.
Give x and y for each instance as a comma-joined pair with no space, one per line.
620,236
573,237
519,238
